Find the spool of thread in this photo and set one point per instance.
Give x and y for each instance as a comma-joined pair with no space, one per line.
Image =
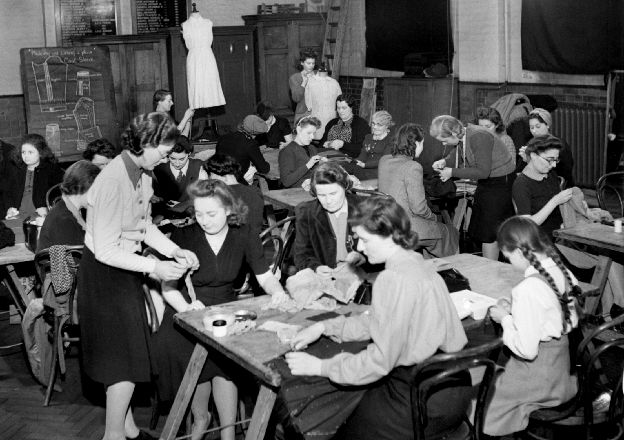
617,225
219,328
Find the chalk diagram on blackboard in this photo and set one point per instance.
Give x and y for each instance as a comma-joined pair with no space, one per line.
88,130
51,83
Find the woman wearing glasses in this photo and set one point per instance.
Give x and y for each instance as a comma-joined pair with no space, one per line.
536,190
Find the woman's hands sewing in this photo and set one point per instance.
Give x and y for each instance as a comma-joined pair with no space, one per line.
336,144
303,364
186,258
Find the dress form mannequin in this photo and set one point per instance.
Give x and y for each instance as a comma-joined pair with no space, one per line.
320,97
204,86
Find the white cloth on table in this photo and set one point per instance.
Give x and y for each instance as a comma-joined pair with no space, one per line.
320,98
202,75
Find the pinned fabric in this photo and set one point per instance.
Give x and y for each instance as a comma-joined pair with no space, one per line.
575,211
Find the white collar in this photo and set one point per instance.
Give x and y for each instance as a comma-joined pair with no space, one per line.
183,170
546,263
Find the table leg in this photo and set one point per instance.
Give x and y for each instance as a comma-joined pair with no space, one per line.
185,392
599,279
261,413
9,278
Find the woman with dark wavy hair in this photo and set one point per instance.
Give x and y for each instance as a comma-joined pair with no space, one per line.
222,240
114,332
410,319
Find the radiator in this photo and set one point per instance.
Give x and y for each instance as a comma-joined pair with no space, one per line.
584,130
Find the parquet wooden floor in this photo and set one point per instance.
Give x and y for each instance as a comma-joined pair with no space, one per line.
70,416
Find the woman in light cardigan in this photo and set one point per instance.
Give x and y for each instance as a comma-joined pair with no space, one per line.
113,322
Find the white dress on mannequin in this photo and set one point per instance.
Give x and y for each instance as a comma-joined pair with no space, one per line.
202,75
320,97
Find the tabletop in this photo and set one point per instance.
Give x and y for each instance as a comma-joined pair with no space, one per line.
492,278
593,234
15,254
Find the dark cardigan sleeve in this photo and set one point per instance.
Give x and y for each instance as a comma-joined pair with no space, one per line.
257,159
290,170
359,129
481,146
305,256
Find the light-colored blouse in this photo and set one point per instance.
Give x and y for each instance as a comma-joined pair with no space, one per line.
536,313
119,217
410,319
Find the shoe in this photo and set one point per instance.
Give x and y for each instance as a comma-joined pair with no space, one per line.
142,436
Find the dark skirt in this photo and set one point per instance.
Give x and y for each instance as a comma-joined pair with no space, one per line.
174,346
385,412
114,333
492,205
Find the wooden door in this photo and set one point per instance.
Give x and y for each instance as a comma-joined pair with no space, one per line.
276,63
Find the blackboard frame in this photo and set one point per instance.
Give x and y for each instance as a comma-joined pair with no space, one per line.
69,97
58,18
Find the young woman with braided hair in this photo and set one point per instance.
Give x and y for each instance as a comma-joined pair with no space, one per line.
535,326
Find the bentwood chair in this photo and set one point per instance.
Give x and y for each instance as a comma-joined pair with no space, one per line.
59,308
610,193
439,370
53,195
598,421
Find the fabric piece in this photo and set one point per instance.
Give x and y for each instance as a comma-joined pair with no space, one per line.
574,211
204,85
62,269
306,286
37,345
512,107
285,332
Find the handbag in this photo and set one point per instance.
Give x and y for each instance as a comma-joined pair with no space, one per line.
31,234
454,280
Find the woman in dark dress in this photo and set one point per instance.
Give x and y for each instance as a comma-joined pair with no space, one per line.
64,224
298,158
222,241
114,334
30,178
376,144
346,132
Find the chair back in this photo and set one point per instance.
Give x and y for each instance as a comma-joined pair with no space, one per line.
610,193
53,195
43,268
439,368
282,235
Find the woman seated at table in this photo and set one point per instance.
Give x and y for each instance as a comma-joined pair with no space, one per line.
297,158
31,177
100,152
279,127
224,168
535,325
401,176
163,101
376,144
173,177
64,224
242,144
411,318
536,193
346,132
324,237
222,240
479,155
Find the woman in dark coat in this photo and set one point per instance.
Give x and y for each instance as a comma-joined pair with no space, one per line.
346,132
30,178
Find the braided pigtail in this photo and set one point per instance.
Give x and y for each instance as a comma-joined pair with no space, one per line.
563,298
574,291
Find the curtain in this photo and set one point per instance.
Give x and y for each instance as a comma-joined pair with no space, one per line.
572,36
395,28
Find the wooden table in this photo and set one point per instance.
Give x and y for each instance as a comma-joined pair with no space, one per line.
254,350
601,240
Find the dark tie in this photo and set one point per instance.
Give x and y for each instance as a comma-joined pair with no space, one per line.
180,177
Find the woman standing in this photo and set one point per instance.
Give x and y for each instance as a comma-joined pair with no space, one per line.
297,158
114,333
478,155
535,326
490,119
222,241
376,144
31,177
298,81
410,319
346,132
401,177
163,101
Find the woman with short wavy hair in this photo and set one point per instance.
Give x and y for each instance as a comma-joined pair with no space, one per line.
114,332
376,144
222,240
410,319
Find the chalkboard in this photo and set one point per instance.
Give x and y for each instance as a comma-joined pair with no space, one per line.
69,97
80,18
154,15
